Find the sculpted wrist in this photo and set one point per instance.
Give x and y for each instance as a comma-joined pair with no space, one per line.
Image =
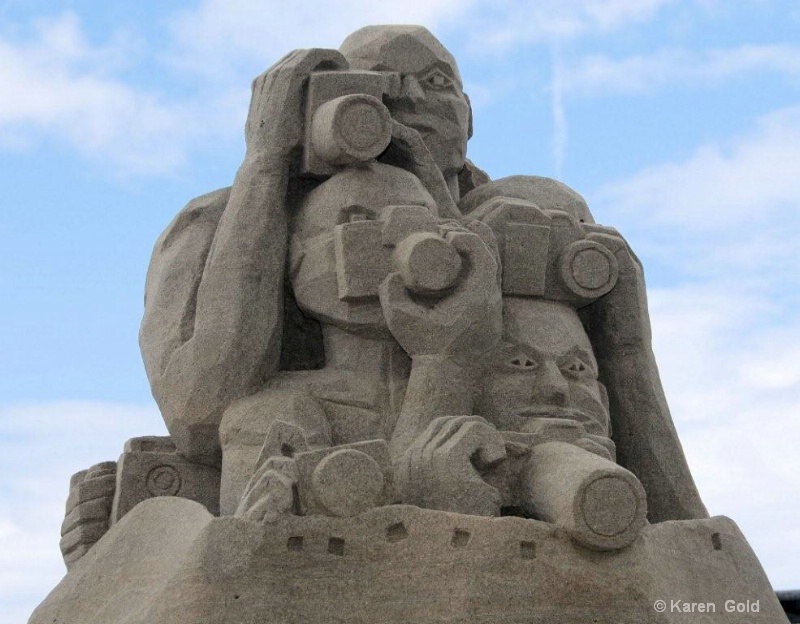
442,384
262,161
456,367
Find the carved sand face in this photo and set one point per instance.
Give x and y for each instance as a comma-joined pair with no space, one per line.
431,98
432,103
543,367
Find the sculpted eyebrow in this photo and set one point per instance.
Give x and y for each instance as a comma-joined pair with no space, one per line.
585,356
445,68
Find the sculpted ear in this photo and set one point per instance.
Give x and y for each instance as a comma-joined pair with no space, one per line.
469,123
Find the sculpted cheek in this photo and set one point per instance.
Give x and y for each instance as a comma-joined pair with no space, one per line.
457,113
587,399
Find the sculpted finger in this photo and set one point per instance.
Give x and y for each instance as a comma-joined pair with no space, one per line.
434,441
406,136
257,512
487,236
284,59
450,426
255,490
420,446
482,264
274,490
260,479
263,83
479,440
444,433
437,425
447,427
594,447
307,60
395,299
299,63
269,508
277,97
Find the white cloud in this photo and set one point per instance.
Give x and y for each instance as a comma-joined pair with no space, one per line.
221,34
602,75
41,445
58,84
728,216
511,23
730,209
724,368
724,223
218,35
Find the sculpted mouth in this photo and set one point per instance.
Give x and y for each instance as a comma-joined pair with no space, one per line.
423,129
424,124
553,411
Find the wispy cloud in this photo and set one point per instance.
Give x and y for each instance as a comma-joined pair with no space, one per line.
724,223
57,84
748,180
555,23
219,35
510,23
729,212
596,75
724,367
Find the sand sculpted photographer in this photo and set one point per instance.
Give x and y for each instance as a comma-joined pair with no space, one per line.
364,344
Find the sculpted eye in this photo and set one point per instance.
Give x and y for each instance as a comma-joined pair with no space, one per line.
522,362
437,80
574,368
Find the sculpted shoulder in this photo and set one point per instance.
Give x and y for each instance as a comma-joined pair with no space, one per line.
203,211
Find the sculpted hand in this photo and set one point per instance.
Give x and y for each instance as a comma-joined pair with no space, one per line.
275,120
88,514
269,494
270,491
466,322
566,430
421,163
621,315
600,446
438,470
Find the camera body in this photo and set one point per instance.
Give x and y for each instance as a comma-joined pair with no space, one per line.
548,253
346,122
342,481
404,239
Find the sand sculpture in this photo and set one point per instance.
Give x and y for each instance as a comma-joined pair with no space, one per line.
396,391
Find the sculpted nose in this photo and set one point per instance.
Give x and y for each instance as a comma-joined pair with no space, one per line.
411,90
550,387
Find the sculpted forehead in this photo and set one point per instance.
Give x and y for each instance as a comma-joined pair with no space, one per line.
546,193
547,326
404,49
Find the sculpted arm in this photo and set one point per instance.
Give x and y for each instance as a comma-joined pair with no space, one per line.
218,337
436,441
647,443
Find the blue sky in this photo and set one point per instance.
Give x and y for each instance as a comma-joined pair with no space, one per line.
678,120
